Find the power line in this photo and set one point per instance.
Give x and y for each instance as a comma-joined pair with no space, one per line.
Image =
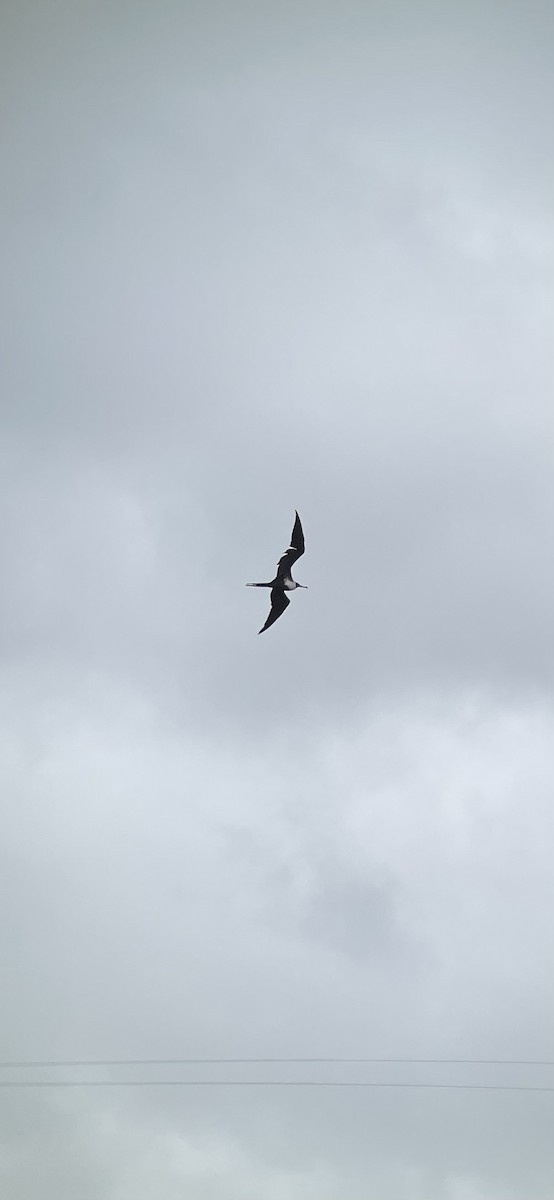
165,1062
270,1083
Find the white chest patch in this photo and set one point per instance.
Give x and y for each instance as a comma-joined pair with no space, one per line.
290,585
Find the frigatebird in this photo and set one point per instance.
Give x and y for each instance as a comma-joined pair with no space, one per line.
283,581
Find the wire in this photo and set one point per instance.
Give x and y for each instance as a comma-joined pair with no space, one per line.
165,1062
244,1083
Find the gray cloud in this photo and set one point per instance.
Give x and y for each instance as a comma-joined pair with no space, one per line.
261,259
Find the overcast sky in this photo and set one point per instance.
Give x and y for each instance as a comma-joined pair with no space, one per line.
257,257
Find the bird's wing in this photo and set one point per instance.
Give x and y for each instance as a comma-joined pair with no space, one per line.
279,602
295,550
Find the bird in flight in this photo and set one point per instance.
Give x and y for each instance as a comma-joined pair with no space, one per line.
283,581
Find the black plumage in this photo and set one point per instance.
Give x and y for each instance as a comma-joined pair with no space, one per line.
283,581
